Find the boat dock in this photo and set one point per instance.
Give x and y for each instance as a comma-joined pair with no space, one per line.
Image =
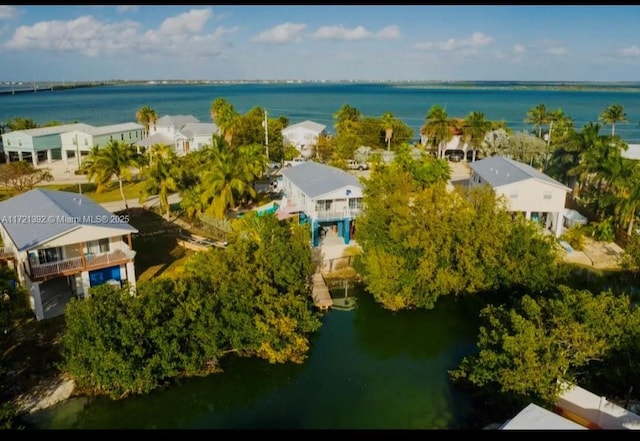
320,293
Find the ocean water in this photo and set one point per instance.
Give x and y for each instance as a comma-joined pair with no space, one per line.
320,101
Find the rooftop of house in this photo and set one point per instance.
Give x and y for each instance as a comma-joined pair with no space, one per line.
315,179
499,171
39,215
309,125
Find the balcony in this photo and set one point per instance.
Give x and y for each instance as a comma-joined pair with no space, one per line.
67,267
335,215
6,253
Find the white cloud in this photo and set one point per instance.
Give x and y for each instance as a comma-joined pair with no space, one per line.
519,49
357,33
631,51
125,8
180,35
283,33
7,12
556,50
476,40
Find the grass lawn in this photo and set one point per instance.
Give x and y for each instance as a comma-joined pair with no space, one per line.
158,254
132,190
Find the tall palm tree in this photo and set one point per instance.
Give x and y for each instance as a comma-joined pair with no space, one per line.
438,128
613,114
146,116
387,124
345,118
160,175
538,117
224,115
474,129
116,159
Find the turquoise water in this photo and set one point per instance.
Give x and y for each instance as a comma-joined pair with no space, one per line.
367,369
318,102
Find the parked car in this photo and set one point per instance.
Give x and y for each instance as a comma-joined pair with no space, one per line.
357,165
294,161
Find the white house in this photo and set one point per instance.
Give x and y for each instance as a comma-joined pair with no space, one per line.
633,152
80,140
38,143
165,129
526,189
303,136
63,243
534,417
193,136
322,195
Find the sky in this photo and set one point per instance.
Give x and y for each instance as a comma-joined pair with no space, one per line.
321,42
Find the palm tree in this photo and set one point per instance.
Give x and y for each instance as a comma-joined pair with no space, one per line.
346,118
116,159
160,175
538,117
612,115
387,124
474,129
438,128
146,116
224,115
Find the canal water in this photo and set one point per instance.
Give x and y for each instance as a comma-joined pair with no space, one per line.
368,368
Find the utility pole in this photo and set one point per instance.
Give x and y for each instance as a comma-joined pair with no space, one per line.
266,133
78,158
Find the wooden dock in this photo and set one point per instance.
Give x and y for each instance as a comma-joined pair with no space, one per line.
320,293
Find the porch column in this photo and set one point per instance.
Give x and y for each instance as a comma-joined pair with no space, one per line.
36,300
559,218
527,215
20,156
65,156
34,158
315,237
129,241
346,232
49,156
77,279
131,277
7,159
340,229
86,283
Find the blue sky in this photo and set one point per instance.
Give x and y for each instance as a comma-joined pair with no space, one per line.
520,43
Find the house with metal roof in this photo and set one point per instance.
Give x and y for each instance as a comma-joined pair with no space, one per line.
80,140
193,136
61,244
36,144
303,136
526,190
326,197
165,130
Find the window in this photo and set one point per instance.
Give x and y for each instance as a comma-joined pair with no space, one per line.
547,194
97,246
323,205
354,203
110,137
47,255
129,135
122,137
19,142
8,142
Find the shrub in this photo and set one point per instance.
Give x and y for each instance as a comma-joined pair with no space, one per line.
574,236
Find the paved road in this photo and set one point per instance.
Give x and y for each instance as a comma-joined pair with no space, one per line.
152,201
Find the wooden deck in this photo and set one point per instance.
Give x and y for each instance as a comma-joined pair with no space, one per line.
320,293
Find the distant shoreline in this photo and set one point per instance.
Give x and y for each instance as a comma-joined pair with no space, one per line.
632,87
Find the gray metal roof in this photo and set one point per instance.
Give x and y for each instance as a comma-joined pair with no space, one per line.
176,121
499,171
60,205
308,124
633,152
315,179
53,130
195,129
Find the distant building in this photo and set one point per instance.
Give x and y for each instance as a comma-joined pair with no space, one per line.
304,136
166,130
526,189
193,136
81,139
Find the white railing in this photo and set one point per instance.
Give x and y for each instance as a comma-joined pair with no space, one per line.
6,252
337,214
78,264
